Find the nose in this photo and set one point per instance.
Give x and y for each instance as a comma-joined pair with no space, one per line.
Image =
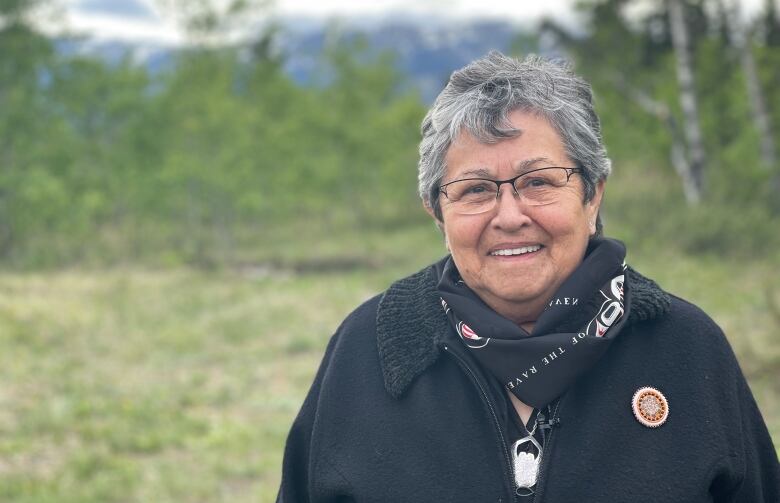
510,212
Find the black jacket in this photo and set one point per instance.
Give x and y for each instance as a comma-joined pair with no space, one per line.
399,413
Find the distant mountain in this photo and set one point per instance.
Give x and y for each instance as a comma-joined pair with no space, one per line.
154,56
426,51
132,9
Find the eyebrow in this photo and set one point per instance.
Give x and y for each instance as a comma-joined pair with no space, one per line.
529,163
480,172
519,168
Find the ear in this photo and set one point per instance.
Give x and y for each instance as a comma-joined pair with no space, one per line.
430,211
592,207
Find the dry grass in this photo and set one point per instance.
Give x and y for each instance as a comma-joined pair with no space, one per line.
180,386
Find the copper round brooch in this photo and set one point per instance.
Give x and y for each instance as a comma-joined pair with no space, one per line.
650,407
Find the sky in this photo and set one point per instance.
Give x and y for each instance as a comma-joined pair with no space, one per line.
142,20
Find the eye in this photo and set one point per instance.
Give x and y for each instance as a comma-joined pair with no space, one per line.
542,179
534,182
472,190
476,188
538,182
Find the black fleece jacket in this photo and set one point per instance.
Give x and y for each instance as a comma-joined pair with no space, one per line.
399,413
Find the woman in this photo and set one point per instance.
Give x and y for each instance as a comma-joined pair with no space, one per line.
531,364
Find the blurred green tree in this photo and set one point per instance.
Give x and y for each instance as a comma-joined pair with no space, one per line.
626,51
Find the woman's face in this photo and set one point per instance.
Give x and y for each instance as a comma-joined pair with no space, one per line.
518,286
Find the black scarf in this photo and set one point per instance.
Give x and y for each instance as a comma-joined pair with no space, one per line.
572,333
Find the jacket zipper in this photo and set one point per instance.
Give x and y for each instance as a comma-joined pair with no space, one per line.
485,398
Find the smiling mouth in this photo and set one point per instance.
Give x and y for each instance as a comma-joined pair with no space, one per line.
508,252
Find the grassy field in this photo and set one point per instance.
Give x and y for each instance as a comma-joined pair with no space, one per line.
177,385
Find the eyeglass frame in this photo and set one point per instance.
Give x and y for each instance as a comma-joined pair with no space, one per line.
511,181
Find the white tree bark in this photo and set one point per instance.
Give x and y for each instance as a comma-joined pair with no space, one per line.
692,175
660,111
740,36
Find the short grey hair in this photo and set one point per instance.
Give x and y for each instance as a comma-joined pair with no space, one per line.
480,96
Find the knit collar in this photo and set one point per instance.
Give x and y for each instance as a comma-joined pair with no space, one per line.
411,323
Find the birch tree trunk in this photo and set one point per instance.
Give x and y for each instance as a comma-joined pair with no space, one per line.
660,111
692,172
760,114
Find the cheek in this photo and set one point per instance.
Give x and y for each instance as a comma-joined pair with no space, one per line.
462,233
570,228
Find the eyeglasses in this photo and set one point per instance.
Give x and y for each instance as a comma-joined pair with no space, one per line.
537,187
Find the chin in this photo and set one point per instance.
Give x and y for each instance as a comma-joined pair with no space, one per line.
521,290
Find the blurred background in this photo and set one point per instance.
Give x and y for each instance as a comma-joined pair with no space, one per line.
194,193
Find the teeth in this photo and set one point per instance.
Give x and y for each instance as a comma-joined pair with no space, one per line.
517,251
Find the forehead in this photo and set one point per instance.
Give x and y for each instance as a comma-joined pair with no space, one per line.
538,144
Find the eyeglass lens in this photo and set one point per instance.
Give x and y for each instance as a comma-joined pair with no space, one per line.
538,187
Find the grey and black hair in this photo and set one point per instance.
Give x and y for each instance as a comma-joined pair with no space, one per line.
479,98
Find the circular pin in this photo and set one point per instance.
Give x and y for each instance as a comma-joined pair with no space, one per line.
650,407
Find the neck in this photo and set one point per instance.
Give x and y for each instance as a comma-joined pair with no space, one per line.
522,314
528,326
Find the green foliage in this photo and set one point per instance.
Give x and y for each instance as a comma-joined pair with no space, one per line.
13,9
626,59
210,161
195,164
